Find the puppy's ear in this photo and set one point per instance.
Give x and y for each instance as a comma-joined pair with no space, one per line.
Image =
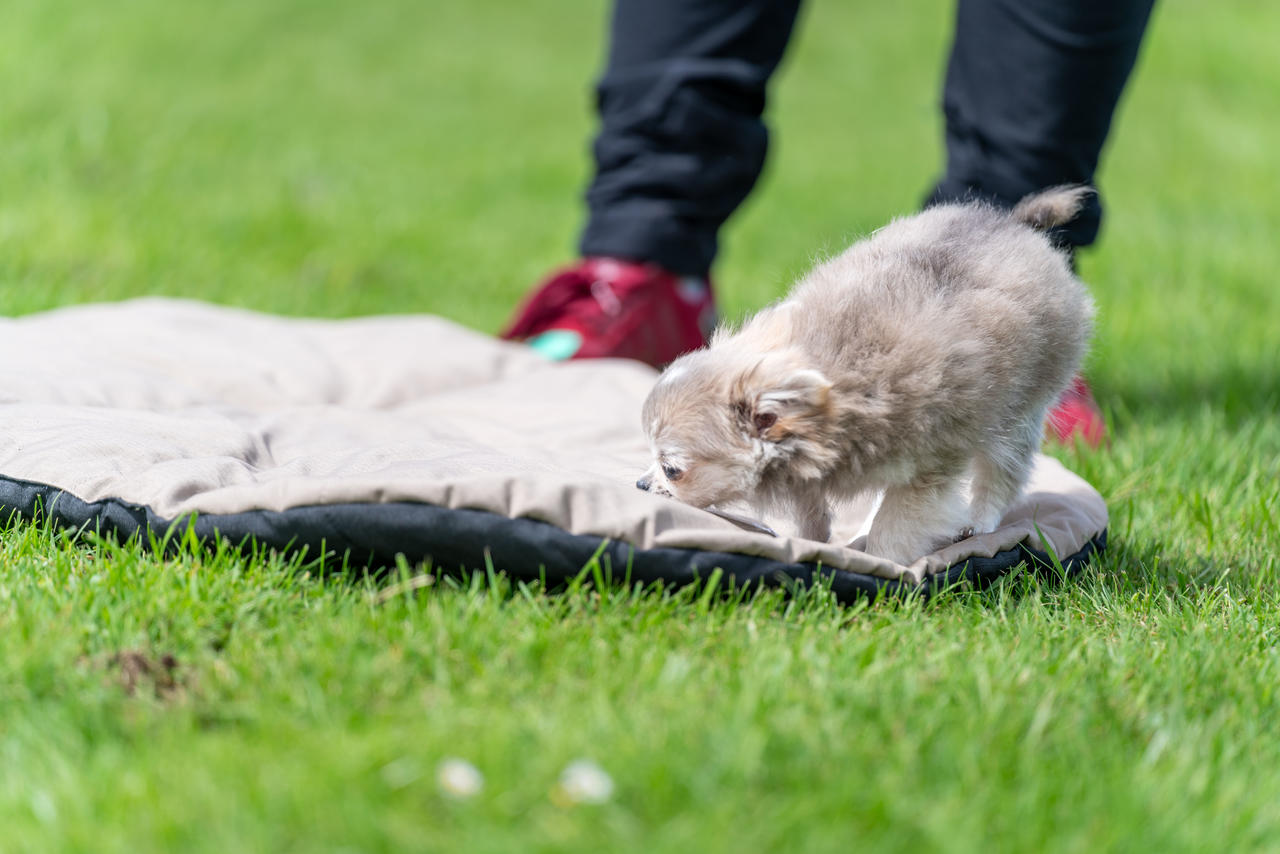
777,404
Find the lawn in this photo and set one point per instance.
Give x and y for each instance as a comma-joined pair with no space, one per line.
334,159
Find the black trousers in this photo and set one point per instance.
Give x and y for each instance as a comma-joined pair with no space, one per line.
1030,90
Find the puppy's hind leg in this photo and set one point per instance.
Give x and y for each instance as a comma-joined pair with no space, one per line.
999,474
917,518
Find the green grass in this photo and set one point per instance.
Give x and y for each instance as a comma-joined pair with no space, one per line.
326,158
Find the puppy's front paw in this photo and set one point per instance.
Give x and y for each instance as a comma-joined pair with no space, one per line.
903,550
965,533
916,520
906,547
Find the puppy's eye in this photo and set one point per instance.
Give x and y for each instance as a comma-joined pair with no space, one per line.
672,472
765,420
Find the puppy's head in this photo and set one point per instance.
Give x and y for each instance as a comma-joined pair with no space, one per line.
722,421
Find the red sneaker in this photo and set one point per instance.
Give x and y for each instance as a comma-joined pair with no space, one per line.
1076,414
605,307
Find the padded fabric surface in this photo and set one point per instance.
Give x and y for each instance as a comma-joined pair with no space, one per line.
141,413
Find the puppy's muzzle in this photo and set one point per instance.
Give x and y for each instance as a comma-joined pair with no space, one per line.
647,484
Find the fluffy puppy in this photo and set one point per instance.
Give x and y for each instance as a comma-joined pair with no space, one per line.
925,354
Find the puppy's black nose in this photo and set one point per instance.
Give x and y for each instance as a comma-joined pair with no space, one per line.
644,483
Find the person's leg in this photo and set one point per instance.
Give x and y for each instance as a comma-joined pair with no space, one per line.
1030,91
1031,88
681,143
682,140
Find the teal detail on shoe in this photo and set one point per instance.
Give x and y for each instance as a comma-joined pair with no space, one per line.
556,344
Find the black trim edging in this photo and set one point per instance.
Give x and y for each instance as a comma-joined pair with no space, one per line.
375,534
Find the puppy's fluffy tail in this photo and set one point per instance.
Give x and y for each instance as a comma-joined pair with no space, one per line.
1053,207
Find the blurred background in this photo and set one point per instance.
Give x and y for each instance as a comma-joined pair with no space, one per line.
337,158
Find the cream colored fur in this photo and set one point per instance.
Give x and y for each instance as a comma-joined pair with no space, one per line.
924,355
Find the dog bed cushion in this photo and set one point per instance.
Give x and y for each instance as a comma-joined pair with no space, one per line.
411,436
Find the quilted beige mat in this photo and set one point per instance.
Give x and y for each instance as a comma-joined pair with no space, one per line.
139,414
